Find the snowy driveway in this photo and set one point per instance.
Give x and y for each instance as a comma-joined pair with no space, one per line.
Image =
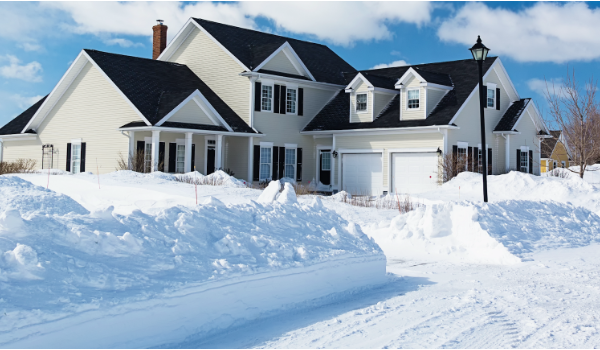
550,302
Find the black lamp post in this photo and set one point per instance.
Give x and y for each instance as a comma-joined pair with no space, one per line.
480,52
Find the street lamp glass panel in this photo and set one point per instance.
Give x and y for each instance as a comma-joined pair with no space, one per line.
479,51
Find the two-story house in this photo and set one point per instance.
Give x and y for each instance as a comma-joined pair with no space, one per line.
267,107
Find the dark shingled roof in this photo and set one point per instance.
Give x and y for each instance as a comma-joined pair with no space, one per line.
512,114
157,87
549,144
16,125
462,75
252,48
179,126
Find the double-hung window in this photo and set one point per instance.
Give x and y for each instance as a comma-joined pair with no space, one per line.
563,164
267,98
524,160
491,97
413,98
290,163
147,156
265,162
180,159
75,158
361,102
462,156
290,103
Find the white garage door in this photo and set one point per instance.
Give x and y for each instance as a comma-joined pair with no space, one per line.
362,173
414,172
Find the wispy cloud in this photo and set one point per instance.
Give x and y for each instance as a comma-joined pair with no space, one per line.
122,42
398,63
15,70
25,101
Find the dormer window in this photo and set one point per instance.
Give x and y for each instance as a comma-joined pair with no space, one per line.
413,99
491,97
361,102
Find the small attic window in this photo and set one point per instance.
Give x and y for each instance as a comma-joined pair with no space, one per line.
361,102
413,99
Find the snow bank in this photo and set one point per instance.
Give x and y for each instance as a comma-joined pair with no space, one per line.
493,233
519,186
59,261
218,177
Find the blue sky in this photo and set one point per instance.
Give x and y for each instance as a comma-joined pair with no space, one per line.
38,41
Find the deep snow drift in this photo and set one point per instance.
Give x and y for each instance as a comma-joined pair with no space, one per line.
61,260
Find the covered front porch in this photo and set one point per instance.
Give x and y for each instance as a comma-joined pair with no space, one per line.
176,149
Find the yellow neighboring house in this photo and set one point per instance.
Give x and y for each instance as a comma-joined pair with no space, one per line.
554,152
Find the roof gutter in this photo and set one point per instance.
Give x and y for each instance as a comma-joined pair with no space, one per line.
412,128
183,131
18,137
293,80
507,132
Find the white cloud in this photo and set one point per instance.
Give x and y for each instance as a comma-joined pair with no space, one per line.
31,46
539,86
122,42
335,22
340,23
398,63
25,102
544,32
16,70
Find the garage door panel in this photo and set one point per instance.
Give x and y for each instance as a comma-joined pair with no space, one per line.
414,172
362,173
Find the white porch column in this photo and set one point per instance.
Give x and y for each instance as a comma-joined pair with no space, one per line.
334,183
131,149
507,152
187,167
1,150
219,152
155,142
250,159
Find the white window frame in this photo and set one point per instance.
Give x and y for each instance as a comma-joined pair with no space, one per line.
524,149
264,145
321,153
179,142
418,90
287,89
74,143
366,102
289,146
263,85
563,164
492,87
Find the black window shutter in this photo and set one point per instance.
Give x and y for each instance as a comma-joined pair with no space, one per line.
172,156
498,98
82,163
299,164
531,162
489,161
68,168
256,164
282,99
455,155
470,159
476,162
276,98
193,156
484,97
518,159
161,156
257,96
281,162
300,101
275,164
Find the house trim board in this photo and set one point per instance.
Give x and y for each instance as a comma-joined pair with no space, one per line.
300,82
382,131
295,60
211,113
183,131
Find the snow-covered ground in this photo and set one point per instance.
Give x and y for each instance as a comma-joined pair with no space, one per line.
520,271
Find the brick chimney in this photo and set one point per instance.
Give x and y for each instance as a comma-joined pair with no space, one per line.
159,41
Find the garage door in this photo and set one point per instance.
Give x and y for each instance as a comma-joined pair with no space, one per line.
362,173
414,172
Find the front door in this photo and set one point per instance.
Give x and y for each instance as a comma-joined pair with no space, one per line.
325,167
210,157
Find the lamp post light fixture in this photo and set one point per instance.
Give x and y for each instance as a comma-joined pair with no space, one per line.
480,53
